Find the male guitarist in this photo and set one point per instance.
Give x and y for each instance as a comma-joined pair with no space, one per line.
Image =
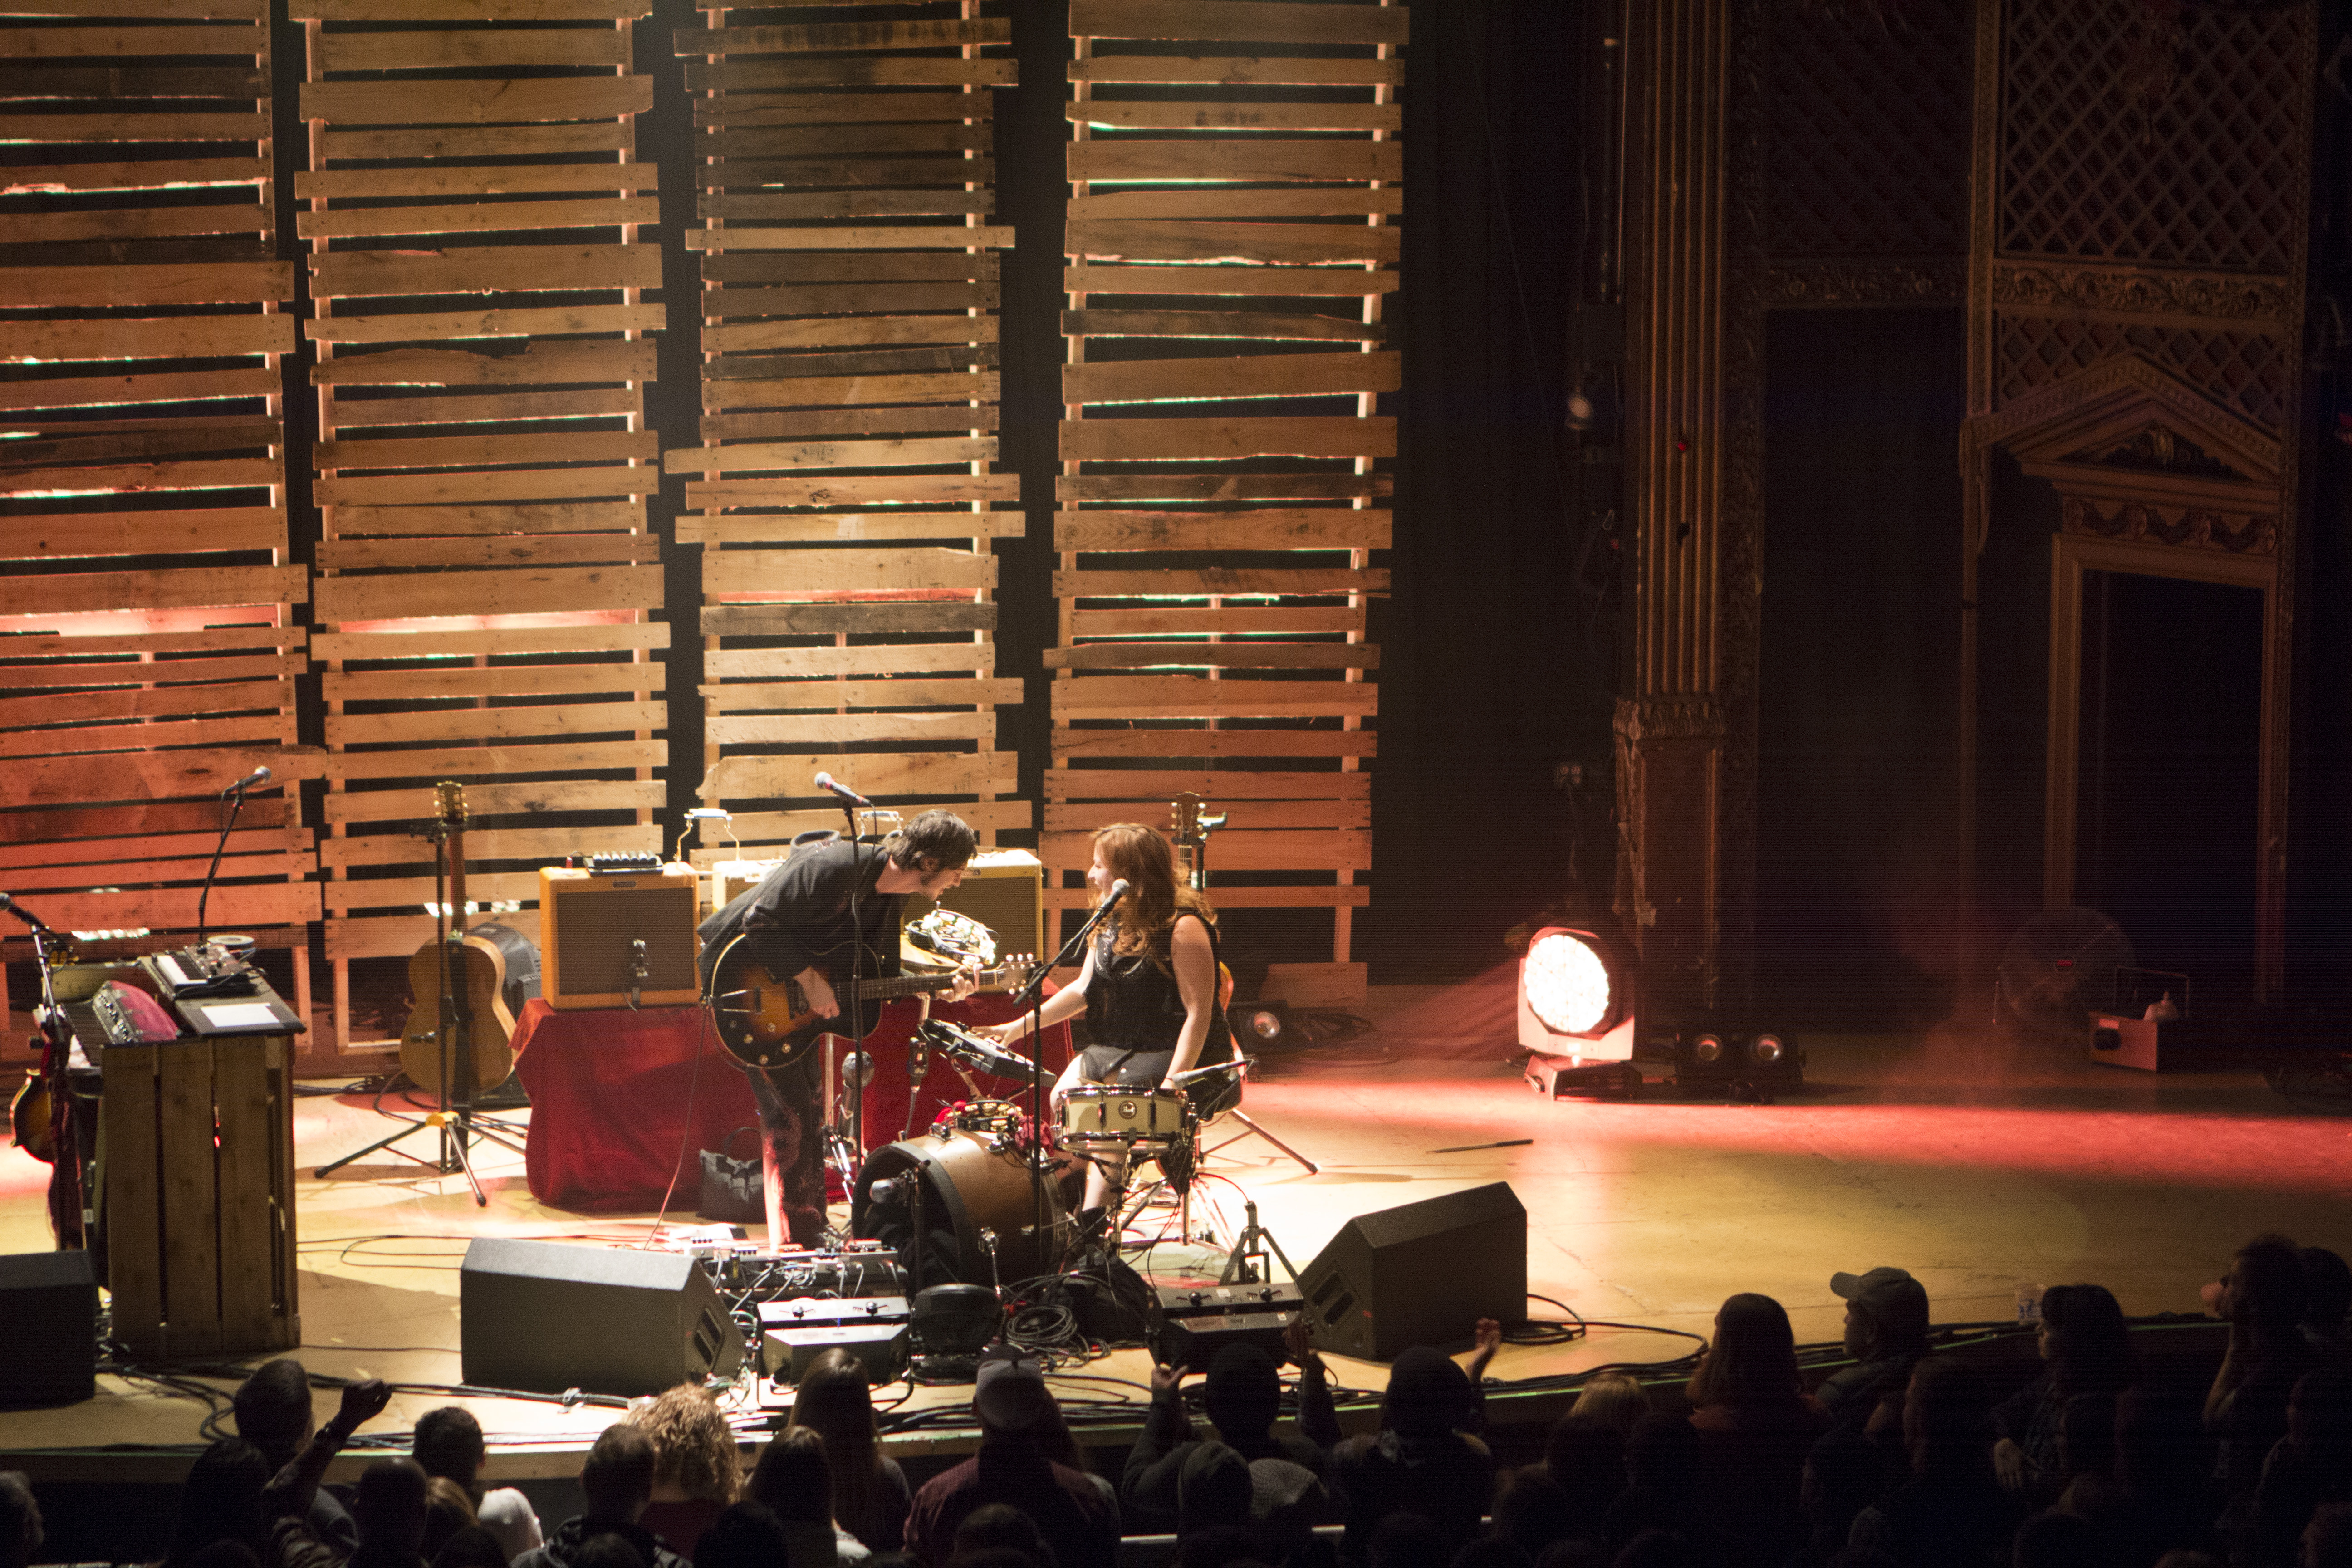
802,917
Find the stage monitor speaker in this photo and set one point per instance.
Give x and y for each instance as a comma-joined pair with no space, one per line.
1420,1274
590,923
545,1316
49,1302
1003,889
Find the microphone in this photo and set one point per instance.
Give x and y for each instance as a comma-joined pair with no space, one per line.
257,777
892,1189
1118,891
22,913
857,1070
842,792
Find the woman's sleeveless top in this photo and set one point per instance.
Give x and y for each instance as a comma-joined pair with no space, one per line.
1133,1003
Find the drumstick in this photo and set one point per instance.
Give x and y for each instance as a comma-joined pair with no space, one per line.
1474,1148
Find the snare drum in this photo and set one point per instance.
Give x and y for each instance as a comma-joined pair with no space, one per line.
1142,1121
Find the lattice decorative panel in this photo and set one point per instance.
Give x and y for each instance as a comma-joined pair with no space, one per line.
2204,171
145,653
2247,370
485,574
1231,239
844,496
1867,131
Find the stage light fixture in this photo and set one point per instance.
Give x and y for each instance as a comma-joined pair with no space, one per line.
1576,1010
1261,1022
1767,1050
1708,1049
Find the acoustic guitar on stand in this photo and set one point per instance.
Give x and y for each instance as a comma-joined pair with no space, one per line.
764,1019
480,1028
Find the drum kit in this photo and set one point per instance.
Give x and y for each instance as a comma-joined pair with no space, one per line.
972,1171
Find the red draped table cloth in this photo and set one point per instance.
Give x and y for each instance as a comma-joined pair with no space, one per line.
622,1101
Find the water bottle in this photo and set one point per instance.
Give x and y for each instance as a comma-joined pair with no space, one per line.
2029,1302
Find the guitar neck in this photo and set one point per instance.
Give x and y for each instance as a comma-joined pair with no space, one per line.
905,985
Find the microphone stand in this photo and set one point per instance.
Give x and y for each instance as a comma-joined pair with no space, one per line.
853,1008
1031,999
236,798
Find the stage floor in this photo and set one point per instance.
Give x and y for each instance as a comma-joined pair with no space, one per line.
1974,1164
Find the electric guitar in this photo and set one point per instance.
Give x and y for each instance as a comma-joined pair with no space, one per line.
764,1019
480,1029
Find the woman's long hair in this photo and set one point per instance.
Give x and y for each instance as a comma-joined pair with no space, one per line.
1753,1360
2090,1343
834,1402
1139,857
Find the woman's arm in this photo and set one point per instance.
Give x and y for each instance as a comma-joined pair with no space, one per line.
1195,961
1062,1005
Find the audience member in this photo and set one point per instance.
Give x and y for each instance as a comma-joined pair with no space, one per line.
999,1527
1662,1459
221,1500
1011,1401
1405,1539
2184,1557
1242,1395
1755,1423
1585,1458
607,1550
1613,1399
1060,1444
617,1481
1886,1333
1844,1473
2165,1463
697,1469
2087,1347
1219,1546
20,1519
1287,1501
794,1481
2263,1298
388,1506
272,1408
870,1494
1419,1462
448,1444
2055,1540
472,1547
448,1511
2327,1302
745,1535
1213,1491
2308,1469
2327,1539
1532,1510
1952,1513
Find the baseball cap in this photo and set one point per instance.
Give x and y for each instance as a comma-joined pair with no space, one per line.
1010,1393
1896,1302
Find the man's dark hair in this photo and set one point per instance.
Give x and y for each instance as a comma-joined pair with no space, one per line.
1244,1392
388,1505
2267,1292
998,1526
221,1499
448,1442
20,1519
744,1535
606,1550
618,1477
2327,1290
939,836
273,1409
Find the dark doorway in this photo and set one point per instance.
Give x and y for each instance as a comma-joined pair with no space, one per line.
2167,778
1857,790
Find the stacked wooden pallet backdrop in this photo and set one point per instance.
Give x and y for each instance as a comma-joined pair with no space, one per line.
843,492
485,570
1233,187
144,641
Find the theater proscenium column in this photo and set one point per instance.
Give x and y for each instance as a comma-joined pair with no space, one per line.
1671,727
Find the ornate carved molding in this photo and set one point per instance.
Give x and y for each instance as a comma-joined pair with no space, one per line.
2217,430
1934,280
2188,528
1682,716
2141,291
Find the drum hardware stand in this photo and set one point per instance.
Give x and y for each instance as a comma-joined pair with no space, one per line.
1247,1264
1239,1115
1031,999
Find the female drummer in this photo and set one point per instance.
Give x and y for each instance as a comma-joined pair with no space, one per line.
1148,987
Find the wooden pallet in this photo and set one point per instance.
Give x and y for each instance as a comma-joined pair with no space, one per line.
843,493
486,577
1224,470
146,587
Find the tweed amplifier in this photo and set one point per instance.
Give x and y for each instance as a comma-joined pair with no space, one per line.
1003,889
612,940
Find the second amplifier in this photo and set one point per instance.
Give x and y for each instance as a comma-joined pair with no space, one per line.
618,940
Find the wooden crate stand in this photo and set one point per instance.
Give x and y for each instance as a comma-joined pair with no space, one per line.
197,1140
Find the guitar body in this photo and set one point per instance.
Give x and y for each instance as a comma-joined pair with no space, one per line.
765,1019
28,1117
479,980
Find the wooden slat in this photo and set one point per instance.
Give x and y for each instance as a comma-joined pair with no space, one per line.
805,424
604,402
34,827
816,527
118,875
234,904
1170,695
496,323
770,456
547,846
1301,435
356,522
444,451
445,724
607,212
1074,744
1228,896
1237,70
1093,278
838,571
1255,375
230,474
763,207
1223,116
503,179
1289,528
66,592
837,489
970,339
212,729
195,283
854,238
849,729
864,173
1243,655
163,337
1201,581
481,141
446,488
776,697
875,774
1194,159
342,896
933,617
542,363
1142,784
1342,849
138,223
469,10
849,391
153,849
1188,487
66,673
131,644
949,137
186,127
528,756
1263,324
475,102
362,555
1178,239
849,71
812,37
898,658
539,590
142,533
410,50
439,643
842,297
141,702
1224,201
447,681
485,268
179,387
521,797
154,775
1252,21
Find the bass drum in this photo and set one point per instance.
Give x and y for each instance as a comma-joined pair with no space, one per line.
970,1182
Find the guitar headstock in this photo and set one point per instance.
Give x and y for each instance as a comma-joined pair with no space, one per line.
1015,968
449,803
1184,817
